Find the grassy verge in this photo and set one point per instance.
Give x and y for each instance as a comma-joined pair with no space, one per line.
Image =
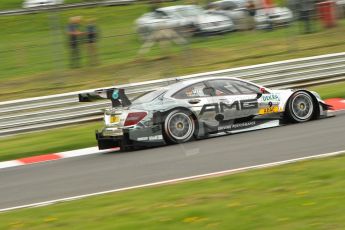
51,141
305,195
18,4
35,52
80,136
333,90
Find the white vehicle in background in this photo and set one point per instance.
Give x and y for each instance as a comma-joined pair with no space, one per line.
40,3
274,16
181,16
264,17
157,20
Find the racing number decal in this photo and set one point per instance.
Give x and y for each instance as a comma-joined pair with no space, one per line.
269,109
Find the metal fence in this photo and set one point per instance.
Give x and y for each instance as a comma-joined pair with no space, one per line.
120,43
20,116
66,6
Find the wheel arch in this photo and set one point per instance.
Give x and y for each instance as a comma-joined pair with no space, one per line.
159,117
316,103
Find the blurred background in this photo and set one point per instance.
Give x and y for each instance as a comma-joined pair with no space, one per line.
55,46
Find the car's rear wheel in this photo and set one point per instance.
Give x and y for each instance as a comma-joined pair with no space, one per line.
300,107
179,126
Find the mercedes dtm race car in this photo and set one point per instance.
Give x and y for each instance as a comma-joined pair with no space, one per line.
194,109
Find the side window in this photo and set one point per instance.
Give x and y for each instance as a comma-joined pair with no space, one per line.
196,90
223,87
246,88
232,87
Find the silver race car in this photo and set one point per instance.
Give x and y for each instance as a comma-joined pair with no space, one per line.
194,109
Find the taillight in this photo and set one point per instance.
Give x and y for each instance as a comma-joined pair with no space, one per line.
134,118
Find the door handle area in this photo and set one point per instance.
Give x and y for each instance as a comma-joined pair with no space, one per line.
194,101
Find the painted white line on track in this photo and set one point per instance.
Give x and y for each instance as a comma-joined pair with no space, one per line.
230,171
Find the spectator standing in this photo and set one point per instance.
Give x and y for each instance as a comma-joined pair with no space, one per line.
292,5
251,8
92,35
75,35
306,8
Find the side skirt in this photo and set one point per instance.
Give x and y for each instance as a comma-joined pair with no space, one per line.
255,124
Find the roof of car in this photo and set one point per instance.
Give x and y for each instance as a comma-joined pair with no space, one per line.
171,89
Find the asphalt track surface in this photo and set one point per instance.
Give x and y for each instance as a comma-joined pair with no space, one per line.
96,173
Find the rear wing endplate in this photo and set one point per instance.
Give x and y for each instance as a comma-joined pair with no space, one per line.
117,96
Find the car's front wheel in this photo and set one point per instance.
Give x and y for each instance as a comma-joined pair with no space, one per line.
300,107
179,126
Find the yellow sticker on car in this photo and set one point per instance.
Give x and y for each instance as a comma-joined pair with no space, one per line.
114,119
273,109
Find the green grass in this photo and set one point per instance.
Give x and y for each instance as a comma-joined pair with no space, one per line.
18,4
331,90
82,135
51,141
34,58
305,195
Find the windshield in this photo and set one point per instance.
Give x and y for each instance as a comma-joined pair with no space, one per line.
148,97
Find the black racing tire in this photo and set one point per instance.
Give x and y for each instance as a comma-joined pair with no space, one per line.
179,127
300,107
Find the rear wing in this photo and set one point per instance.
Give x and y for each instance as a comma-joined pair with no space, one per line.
117,96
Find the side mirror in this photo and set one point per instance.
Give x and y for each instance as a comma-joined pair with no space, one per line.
263,91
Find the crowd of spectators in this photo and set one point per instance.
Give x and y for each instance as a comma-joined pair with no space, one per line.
82,34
